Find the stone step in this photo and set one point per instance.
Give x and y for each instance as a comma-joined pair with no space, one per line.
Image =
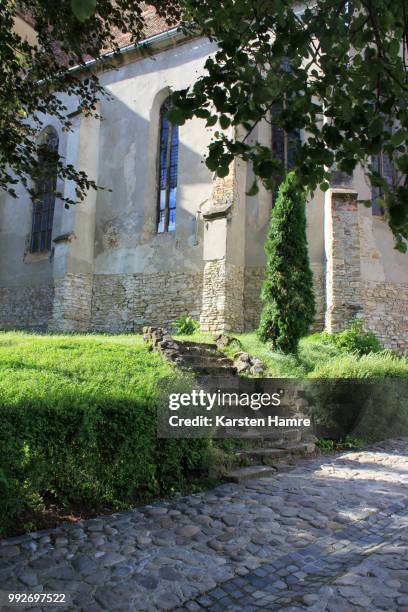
289,435
274,440
303,448
241,475
269,455
215,370
193,350
202,346
205,360
261,453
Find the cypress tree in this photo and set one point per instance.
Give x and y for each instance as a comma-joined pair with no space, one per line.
287,292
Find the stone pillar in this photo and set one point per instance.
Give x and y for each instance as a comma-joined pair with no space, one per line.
224,250
343,253
73,262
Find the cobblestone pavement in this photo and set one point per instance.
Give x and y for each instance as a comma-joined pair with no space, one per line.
331,534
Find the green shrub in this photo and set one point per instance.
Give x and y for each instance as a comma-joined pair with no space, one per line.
95,456
355,338
374,365
287,292
78,425
366,409
186,325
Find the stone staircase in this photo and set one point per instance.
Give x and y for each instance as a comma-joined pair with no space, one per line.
204,359
267,460
212,371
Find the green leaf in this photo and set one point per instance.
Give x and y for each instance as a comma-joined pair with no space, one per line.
212,120
253,190
202,113
83,9
176,116
225,122
399,137
222,171
400,245
212,163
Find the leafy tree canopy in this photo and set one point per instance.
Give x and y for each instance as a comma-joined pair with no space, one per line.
69,33
339,68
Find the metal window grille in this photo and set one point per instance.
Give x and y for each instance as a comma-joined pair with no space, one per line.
168,171
44,202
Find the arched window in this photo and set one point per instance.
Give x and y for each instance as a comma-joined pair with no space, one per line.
44,200
168,169
284,144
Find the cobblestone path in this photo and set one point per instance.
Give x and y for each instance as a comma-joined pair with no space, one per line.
331,534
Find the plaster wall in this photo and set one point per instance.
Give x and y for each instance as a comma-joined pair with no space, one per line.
126,240
26,280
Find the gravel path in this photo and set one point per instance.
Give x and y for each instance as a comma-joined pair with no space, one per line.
331,534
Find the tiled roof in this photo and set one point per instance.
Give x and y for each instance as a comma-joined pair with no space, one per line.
154,24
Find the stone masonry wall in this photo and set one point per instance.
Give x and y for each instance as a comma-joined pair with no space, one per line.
252,296
72,303
26,307
319,288
254,278
343,276
222,306
127,302
386,313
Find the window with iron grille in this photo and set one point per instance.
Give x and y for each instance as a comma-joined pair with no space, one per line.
284,145
44,200
168,170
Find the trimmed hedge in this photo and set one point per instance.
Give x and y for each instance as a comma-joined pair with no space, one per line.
81,447
91,455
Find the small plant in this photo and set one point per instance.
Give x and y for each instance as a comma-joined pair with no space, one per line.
351,442
356,339
325,445
186,325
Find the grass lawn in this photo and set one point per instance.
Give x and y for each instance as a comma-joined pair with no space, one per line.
318,357
84,367
78,429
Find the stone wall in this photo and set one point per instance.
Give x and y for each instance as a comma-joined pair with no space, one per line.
213,297
127,302
356,282
319,288
72,303
386,313
252,296
222,307
26,307
343,275
254,278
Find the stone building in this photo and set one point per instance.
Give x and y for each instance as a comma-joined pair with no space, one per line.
166,238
